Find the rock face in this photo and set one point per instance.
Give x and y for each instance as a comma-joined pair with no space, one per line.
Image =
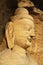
38,11
20,30
25,3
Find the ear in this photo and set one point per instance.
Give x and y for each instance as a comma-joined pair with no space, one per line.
9,34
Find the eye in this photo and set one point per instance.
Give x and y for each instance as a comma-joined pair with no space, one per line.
29,28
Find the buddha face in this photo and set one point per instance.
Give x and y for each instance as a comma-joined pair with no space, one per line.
24,32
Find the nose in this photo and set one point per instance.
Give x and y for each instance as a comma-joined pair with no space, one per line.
32,33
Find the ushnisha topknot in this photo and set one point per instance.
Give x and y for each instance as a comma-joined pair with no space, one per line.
21,11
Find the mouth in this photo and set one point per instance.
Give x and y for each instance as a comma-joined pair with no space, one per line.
28,44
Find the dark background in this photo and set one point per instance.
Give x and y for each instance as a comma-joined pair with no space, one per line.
38,3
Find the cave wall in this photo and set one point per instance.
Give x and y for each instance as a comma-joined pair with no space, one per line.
38,3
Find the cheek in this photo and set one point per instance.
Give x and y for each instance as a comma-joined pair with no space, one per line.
23,41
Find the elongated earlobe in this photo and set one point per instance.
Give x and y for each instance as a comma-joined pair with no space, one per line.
10,36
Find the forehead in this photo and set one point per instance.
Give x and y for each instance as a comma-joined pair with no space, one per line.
24,24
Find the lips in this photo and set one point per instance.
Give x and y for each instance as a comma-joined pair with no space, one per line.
29,39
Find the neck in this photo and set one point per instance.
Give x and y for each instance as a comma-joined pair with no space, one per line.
19,50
